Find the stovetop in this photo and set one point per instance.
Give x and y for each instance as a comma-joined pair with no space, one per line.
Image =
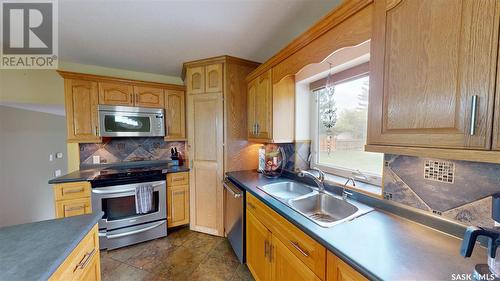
129,174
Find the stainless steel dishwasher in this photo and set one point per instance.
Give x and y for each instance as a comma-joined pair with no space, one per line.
234,219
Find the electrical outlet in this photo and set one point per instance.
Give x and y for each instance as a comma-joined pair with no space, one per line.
59,155
96,159
57,173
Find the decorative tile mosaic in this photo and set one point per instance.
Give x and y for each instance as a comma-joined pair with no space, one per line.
467,199
114,150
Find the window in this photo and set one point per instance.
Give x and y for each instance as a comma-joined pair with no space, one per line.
340,126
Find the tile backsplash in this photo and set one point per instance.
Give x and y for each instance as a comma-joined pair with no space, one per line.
115,150
457,190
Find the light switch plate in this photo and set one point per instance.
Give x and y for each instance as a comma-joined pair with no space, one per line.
51,157
96,159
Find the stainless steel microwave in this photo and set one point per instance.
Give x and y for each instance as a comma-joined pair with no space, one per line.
125,121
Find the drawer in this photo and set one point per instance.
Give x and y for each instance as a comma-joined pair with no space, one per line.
177,179
72,190
310,252
73,207
82,260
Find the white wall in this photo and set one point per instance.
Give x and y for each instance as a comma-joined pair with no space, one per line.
26,140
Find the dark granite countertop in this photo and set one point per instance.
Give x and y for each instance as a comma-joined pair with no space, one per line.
90,174
34,251
380,245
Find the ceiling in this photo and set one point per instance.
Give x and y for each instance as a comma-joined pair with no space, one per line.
158,36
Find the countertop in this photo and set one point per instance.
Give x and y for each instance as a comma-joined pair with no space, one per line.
90,174
380,245
34,251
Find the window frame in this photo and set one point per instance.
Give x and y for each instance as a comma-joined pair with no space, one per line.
347,75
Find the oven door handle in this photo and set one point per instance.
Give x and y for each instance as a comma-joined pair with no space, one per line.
111,190
113,236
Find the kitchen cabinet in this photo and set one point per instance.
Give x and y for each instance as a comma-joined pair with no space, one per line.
72,199
145,96
175,112
83,263
285,247
84,92
216,96
432,77
205,79
271,109
177,199
114,93
81,99
338,270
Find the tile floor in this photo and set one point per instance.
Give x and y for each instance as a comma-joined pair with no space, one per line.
182,255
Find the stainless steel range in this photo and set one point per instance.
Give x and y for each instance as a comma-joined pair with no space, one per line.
114,193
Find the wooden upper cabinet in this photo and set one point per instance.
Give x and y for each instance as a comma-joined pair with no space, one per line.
251,121
263,106
148,97
195,80
432,76
175,112
112,93
213,78
81,99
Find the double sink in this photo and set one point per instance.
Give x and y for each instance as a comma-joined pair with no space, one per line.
323,208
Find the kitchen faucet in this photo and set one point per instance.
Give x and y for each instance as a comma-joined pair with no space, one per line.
345,193
319,180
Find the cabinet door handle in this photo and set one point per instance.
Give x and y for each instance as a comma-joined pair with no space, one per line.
132,98
271,248
296,245
251,205
86,259
473,114
266,247
258,128
96,131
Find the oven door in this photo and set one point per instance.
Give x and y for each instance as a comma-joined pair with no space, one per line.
118,204
121,123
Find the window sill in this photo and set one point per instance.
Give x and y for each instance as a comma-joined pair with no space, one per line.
365,188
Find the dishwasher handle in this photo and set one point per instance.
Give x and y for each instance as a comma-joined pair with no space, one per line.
232,189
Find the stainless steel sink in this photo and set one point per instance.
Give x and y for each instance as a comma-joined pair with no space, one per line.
328,210
323,208
287,190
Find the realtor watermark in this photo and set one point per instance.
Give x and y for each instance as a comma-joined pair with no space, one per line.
29,34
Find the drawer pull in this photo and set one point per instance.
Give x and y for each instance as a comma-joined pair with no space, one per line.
296,246
178,179
86,259
74,208
73,191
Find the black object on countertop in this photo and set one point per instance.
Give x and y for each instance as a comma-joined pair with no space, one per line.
495,207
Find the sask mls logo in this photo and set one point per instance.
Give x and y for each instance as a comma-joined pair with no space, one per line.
29,34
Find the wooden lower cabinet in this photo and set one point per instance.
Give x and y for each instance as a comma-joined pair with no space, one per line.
72,199
277,250
338,270
83,263
177,199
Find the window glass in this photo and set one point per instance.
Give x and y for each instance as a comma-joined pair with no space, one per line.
342,112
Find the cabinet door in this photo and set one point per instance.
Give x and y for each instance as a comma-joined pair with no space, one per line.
251,107
258,246
429,61
73,207
337,270
81,99
112,93
148,97
213,78
175,115
178,205
205,136
286,266
195,80
92,269
263,106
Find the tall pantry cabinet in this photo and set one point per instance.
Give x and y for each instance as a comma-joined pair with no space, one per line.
217,134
